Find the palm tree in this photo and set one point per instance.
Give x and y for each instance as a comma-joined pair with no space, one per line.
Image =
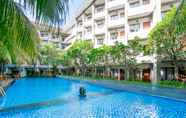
18,36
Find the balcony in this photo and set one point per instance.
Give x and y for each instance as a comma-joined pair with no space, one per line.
144,59
88,36
116,22
99,15
99,30
116,4
88,22
167,1
142,10
141,34
79,28
99,43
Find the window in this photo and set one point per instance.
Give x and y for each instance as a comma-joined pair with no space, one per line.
43,34
122,14
146,25
88,17
80,23
99,9
100,41
88,30
80,34
54,36
134,4
100,23
135,27
113,35
111,0
114,17
145,2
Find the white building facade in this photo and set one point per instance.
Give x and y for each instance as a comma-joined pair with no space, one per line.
110,21
50,35
105,22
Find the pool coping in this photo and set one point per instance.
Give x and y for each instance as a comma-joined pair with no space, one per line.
167,93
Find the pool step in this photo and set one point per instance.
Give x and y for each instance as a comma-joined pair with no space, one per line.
2,91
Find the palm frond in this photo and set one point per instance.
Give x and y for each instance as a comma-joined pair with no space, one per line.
52,12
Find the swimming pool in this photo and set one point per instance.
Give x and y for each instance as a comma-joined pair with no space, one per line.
59,98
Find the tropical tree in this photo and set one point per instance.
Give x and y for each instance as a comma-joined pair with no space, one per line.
79,53
165,39
17,34
50,55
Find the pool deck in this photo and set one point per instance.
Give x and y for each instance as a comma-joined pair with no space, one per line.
6,83
164,92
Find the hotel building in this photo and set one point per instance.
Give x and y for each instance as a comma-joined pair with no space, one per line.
105,22
50,35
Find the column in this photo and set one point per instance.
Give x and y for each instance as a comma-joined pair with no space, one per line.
156,19
93,25
106,41
83,26
157,11
126,23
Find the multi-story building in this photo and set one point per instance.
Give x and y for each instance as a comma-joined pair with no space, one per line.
108,21
50,35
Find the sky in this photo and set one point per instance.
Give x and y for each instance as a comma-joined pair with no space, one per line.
74,6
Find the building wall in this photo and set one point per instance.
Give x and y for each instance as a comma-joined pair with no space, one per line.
49,35
108,21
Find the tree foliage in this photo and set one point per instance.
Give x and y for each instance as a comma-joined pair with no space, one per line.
82,53
50,55
18,36
164,39
79,52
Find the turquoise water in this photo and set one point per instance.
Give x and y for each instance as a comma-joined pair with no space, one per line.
100,102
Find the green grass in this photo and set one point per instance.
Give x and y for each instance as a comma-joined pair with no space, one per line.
165,83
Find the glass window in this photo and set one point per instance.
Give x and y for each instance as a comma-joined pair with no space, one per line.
122,14
99,9
113,35
80,23
114,17
54,36
43,33
100,41
88,30
145,2
134,4
80,34
135,27
100,23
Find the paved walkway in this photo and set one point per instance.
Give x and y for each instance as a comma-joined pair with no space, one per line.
6,83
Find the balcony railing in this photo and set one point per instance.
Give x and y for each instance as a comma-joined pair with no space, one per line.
115,3
141,10
99,30
116,21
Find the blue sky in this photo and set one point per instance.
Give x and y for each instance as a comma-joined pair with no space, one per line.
73,8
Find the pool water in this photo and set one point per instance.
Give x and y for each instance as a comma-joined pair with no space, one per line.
100,102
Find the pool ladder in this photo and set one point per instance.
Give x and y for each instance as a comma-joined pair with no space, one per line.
2,91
